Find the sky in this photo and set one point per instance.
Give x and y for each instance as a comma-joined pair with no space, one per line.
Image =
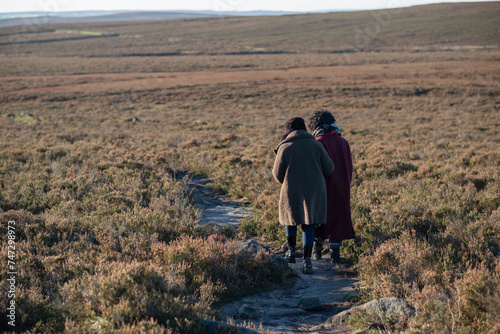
218,5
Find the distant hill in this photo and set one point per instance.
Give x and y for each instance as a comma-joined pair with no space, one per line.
447,26
38,18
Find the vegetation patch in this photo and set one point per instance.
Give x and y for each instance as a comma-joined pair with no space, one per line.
79,32
22,117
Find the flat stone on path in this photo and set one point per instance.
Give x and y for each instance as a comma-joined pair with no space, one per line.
311,304
281,312
248,312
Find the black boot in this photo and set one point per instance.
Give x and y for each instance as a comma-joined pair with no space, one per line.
335,253
318,249
290,253
307,265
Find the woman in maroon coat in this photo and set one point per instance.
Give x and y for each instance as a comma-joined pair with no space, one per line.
338,185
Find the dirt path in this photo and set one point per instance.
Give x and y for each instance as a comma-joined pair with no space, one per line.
304,302
214,207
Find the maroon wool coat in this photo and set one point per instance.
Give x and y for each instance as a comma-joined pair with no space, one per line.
338,189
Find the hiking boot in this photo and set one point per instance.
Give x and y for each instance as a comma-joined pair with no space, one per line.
290,253
335,253
318,249
307,265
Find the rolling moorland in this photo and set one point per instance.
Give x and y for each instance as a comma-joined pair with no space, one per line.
39,18
97,120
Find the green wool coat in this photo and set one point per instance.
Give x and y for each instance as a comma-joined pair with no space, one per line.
300,166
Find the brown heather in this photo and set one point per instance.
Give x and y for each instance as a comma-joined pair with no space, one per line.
108,239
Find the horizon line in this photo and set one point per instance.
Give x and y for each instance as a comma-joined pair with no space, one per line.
239,11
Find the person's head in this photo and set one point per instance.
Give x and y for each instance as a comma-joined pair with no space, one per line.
318,118
294,124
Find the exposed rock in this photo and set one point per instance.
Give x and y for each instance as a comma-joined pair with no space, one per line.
311,304
391,307
248,312
292,303
251,246
280,312
385,308
338,320
254,247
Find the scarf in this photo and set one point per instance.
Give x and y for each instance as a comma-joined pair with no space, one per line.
326,128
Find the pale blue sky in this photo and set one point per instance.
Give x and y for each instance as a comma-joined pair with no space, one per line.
226,5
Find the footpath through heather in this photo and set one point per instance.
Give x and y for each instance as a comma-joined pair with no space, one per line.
304,302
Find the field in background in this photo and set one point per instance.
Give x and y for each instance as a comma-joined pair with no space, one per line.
97,119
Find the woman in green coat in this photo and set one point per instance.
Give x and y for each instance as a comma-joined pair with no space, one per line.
300,166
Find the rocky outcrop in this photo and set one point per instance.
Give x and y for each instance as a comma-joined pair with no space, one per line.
392,308
254,247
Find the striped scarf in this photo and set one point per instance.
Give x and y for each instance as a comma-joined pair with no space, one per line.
326,128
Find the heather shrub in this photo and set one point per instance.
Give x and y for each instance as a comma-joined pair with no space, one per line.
476,299
398,267
368,322
452,280
97,272
34,310
217,265
123,294
469,304
102,325
85,241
